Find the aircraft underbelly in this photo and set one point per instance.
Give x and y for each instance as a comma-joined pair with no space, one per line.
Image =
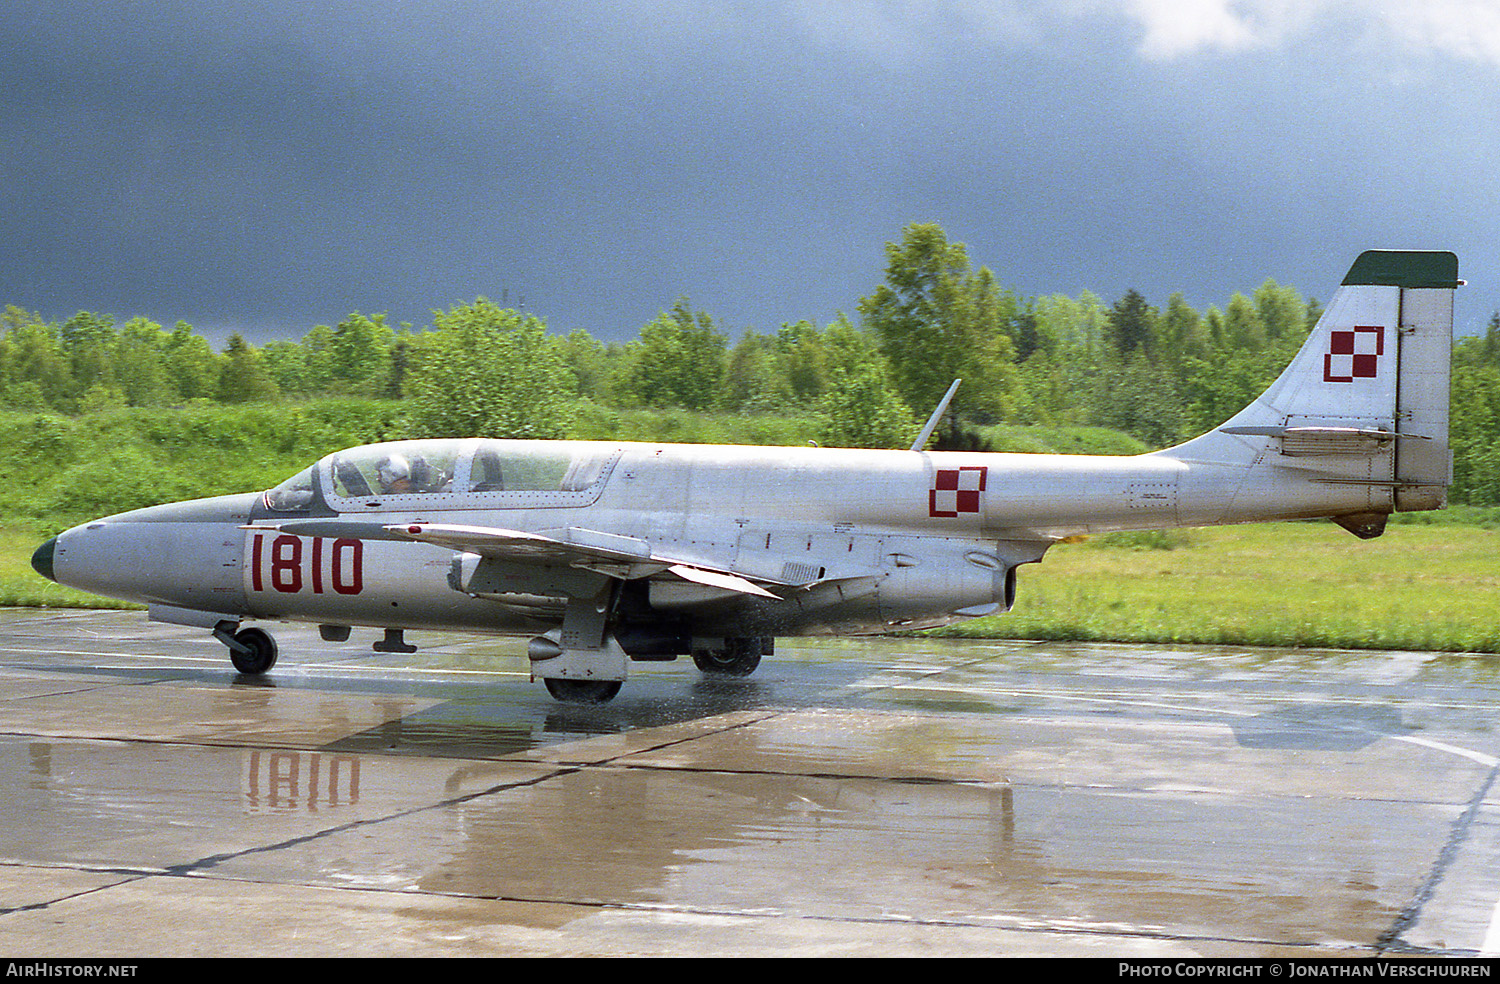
848,583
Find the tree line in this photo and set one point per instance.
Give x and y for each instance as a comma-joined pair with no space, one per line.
1161,374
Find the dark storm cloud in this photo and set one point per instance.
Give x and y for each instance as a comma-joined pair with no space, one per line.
271,165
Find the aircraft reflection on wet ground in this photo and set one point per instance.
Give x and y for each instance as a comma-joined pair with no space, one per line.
890,797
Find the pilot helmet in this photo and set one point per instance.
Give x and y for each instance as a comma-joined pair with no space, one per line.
392,469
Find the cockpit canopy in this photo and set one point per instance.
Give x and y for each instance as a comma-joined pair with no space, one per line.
450,473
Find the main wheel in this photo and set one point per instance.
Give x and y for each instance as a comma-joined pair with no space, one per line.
738,657
262,654
582,691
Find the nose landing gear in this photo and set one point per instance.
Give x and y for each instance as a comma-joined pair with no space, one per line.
252,651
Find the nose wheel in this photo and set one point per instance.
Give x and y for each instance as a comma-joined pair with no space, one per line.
252,651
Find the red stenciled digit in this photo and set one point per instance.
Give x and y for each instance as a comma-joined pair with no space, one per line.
286,564
348,574
317,564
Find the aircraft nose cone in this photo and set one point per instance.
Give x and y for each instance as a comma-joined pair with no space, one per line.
41,561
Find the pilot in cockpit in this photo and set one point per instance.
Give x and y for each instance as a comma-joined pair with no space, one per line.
394,475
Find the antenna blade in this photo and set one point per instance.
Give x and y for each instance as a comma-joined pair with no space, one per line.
937,415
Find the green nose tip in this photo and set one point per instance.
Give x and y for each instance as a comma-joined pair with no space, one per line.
41,561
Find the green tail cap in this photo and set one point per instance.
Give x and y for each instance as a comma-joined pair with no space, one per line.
1404,268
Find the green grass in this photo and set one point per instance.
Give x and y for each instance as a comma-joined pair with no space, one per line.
1483,517
1419,587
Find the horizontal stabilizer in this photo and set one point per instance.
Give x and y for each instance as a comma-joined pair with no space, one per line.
1312,441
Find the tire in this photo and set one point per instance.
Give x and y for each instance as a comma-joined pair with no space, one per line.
262,655
739,657
582,691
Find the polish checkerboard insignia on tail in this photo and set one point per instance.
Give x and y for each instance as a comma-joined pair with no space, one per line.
1353,353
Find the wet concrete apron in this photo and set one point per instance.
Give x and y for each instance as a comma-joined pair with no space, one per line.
876,797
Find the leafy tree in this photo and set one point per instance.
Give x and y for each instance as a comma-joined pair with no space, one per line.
192,366
140,364
1282,311
863,410
804,360
89,341
679,360
400,361
1139,399
318,344
1314,312
1475,350
360,351
1186,334
1212,392
757,377
485,371
847,347
1132,325
244,378
286,362
1474,433
1025,335
937,319
1069,328
1243,327
596,366
32,353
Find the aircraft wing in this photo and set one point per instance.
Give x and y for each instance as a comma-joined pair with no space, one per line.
624,557
558,547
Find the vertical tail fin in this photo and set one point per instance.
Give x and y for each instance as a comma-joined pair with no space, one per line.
1357,424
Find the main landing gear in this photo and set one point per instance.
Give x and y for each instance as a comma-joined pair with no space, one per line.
738,656
582,691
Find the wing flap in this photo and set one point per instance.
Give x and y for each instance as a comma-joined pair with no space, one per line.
717,579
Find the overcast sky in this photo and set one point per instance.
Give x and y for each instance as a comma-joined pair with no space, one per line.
268,165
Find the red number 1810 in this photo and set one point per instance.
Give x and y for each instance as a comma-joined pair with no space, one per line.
290,562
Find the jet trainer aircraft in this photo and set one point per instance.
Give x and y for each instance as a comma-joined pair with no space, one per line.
609,552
